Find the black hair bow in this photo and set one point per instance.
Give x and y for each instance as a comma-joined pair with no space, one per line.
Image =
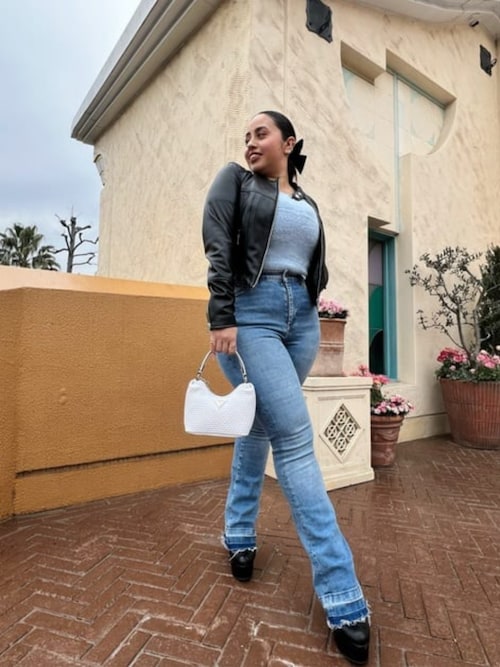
297,159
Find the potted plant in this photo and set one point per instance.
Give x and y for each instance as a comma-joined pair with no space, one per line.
468,313
332,320
386,417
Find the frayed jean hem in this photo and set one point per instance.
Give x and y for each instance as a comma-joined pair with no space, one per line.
346,608
335,623
238,543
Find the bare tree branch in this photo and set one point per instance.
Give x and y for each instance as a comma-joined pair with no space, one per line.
74,239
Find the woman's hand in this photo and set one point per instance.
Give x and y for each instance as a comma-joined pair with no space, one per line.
223,340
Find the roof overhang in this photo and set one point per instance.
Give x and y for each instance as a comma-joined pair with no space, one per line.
159,28
471,12
156,31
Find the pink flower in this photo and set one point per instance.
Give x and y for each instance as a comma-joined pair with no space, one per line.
331,308
456,365
451,354
363,371
380,404
487,360
380,379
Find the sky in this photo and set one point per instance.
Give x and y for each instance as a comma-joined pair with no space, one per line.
51,52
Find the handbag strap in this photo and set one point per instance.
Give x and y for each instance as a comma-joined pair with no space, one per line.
205,359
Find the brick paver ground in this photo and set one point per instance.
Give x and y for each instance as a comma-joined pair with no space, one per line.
142,580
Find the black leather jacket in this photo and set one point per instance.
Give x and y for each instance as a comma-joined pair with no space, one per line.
237,223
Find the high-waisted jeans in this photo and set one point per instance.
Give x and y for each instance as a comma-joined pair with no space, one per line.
278,337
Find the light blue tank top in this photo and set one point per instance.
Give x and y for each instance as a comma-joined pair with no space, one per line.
294,237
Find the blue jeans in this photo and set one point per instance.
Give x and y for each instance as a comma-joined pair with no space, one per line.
278,337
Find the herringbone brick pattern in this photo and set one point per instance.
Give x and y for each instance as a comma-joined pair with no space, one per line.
142,580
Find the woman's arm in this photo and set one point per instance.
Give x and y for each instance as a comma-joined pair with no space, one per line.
219,234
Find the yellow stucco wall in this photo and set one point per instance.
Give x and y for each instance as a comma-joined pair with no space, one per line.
9,328
162,153
92,388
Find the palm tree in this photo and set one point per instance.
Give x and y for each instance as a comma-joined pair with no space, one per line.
21,246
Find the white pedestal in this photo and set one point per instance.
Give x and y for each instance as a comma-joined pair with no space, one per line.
340,414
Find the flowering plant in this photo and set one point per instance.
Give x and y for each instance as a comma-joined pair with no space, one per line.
380,404
468,311
331,309
457,365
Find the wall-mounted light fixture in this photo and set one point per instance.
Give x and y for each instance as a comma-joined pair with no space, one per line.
486,61
99,163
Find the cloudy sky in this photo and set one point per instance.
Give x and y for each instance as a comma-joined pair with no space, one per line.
51,52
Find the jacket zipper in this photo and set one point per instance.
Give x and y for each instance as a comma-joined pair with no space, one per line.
261,268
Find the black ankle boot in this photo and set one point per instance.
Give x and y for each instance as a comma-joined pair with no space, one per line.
242,564
353,642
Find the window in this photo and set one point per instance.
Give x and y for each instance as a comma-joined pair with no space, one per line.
396,118
399,111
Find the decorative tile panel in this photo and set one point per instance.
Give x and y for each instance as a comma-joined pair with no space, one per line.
340,432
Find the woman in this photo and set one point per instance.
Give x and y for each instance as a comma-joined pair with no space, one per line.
265,246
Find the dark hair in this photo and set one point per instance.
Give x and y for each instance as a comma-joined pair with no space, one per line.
282,123
286,128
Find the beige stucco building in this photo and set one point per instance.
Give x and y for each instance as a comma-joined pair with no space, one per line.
401,127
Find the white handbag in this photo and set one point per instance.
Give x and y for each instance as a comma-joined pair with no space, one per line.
206,413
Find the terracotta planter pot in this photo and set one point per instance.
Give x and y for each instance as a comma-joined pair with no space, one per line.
473,410
384,438
330,358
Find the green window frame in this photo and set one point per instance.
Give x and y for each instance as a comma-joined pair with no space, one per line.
382,304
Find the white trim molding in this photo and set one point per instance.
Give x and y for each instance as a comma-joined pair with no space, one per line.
472,12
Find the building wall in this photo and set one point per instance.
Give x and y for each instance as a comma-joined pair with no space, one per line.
94,373
162,154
